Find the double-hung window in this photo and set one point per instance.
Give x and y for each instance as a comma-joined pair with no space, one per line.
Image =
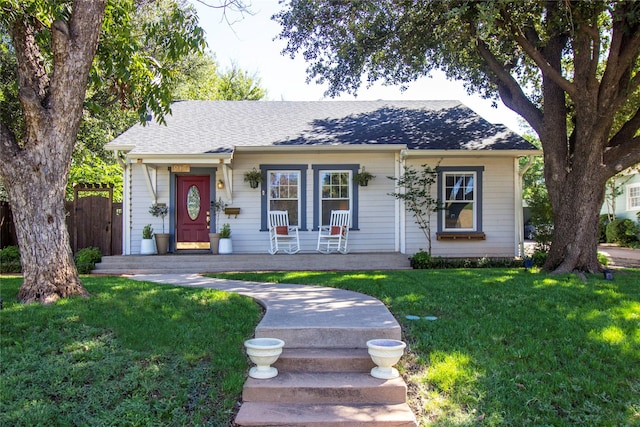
633,197
284,193
334,189
460,194
284,189
335,193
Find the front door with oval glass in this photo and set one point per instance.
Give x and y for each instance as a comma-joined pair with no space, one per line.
192,219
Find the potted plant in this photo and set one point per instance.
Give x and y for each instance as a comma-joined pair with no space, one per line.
214,238
253,177
225,246
362,178
162,239
146,246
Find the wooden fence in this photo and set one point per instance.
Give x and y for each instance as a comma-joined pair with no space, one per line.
93,221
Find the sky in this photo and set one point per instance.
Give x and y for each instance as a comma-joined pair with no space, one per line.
249,44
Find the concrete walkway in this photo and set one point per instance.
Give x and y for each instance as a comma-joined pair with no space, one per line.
293,312
324,369
621,257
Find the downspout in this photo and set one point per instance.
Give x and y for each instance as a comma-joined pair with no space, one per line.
400,206
519,207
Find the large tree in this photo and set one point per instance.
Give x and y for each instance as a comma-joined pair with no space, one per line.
569,68
57,54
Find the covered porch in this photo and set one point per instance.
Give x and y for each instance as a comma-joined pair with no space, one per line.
207,263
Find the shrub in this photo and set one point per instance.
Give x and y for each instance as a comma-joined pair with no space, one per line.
422,260
10,260
86,259
623,232
539,257
603,221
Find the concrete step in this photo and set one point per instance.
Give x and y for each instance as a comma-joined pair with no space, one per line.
208,263
328,336
266,414
324,360
328,387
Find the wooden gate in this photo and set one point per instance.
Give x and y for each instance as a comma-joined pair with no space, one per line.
93,221
94,217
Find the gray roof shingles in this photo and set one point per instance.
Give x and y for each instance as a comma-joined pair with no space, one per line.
197,127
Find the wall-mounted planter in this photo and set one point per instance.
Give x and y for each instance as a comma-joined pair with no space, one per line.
253,177
232,211
363,177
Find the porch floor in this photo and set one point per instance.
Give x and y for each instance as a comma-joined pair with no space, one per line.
208,263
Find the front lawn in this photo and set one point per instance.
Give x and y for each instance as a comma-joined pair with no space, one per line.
135,354
509,347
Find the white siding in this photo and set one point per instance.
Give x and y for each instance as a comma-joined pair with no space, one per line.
376,212
141,200
498,212
379,213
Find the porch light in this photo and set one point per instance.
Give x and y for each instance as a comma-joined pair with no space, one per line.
220,184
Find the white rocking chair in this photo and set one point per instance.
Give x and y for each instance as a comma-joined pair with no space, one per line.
282,236
334,237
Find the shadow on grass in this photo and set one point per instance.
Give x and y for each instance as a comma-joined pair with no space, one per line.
134,353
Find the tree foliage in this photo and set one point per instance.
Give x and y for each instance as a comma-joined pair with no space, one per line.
60,69
571,69
415,189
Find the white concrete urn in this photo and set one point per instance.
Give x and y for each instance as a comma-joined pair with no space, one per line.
385,353
263,352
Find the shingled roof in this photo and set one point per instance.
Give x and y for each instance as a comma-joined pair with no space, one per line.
198,127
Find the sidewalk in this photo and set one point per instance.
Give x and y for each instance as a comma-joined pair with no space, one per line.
621,257
324,375
305,315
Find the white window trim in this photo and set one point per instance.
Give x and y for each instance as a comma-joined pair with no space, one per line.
349,186
474,201
300,189
629,188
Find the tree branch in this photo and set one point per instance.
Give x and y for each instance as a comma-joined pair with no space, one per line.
73,46
33,81
622,156
627,132
536,55
623,53
510,91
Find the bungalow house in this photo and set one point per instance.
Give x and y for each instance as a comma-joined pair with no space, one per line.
307,154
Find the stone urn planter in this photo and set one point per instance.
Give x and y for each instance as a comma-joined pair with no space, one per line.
162,243
263,352
214,241
385,353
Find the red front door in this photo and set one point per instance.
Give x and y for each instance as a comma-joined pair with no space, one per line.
192,207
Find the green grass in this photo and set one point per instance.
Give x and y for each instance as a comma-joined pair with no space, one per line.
135,354
509,347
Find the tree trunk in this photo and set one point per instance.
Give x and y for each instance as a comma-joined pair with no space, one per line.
575,238
47,261
35,166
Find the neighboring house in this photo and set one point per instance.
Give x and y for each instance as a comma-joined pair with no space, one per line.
308,153
626,204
